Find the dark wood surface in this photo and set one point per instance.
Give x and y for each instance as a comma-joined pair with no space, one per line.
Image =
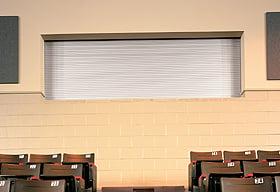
145,189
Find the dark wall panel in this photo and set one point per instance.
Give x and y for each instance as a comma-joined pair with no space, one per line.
8,49
273,45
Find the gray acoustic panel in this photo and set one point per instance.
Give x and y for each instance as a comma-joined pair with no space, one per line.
8,49
273,45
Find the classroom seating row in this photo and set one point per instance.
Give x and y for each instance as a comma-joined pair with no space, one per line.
78,171
207,168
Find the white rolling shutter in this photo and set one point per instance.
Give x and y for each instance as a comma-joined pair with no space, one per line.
131,69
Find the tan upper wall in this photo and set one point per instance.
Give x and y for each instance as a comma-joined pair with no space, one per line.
112,16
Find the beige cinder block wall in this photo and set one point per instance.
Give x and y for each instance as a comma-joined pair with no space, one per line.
139,142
